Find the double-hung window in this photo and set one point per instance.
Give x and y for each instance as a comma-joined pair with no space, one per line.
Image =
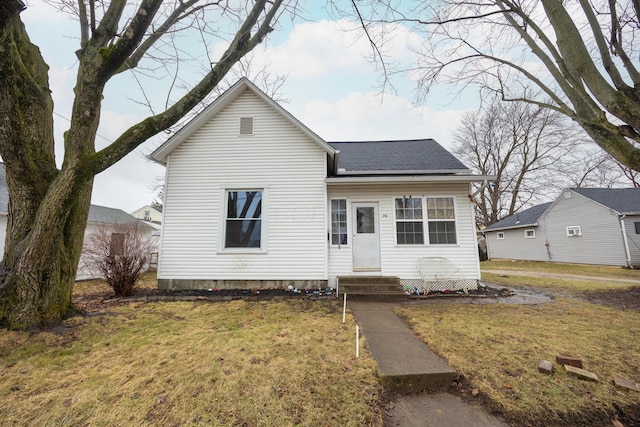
409,221
243,220
439,221
339,222
442,220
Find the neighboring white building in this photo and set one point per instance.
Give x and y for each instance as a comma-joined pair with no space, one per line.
255,198
583,226
149,215
99,216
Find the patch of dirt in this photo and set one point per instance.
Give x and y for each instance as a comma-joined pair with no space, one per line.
101,301
623,299
593,417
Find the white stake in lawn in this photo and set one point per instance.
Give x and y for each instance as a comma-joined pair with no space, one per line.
357,341
344,309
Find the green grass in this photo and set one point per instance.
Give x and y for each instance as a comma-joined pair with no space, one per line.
552,284
192,364
498,348
565,268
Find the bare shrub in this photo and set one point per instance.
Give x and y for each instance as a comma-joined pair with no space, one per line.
120,253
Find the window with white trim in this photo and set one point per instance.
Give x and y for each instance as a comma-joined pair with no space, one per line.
243,219
339,222
574,231
530,234
410,220
500,235
637,226
442,221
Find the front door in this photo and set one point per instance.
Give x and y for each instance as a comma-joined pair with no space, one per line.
366,237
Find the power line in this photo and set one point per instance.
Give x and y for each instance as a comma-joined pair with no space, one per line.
69,120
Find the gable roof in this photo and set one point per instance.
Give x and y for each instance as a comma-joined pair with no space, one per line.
621,200
161,153
105,215
526,218
416,156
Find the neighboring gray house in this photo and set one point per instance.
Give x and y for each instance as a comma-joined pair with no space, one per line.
583,225
99,216
254,198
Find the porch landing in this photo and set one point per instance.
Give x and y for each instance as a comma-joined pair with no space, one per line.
405,364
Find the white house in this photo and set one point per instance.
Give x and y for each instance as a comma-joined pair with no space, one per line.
254,198
583,226
149,215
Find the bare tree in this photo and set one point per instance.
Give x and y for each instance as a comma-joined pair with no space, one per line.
120,254
582,57
589,168
519,143
48,206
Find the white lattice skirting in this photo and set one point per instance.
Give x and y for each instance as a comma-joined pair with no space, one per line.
425,287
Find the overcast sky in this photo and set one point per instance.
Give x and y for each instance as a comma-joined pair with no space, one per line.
331,86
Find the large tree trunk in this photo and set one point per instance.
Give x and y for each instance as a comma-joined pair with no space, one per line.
40,268
48,208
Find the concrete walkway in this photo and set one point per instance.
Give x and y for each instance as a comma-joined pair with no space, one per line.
406,365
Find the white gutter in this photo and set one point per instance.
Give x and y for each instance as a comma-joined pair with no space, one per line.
402,172
624,239
406,179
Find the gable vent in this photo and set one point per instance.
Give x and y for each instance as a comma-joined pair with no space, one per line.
246,125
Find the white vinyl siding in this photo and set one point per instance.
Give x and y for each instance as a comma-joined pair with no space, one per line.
277,157
402,260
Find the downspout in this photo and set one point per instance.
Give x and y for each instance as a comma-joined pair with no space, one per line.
624,239
484,184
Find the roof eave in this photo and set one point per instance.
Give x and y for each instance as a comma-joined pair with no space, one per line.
404,172
513,227
397,179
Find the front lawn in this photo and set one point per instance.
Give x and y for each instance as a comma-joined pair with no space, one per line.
269,363
498,348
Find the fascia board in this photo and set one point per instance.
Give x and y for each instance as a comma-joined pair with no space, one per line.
407,179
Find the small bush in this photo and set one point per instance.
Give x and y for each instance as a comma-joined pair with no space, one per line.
120,254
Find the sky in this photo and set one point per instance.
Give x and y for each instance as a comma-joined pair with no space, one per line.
331,86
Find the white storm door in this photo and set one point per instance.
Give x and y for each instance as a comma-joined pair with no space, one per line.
366,237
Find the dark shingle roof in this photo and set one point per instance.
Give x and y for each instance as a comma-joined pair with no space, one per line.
622,200
421,156
526,218
104,215
97,214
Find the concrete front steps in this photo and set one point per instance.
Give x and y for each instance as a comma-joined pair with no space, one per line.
379,288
